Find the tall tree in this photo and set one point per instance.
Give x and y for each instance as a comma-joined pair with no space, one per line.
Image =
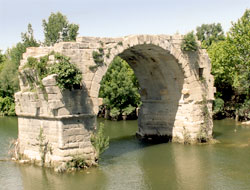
231,65
208,33
28,38
58,28
9,83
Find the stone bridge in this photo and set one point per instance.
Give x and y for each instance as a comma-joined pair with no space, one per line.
176,90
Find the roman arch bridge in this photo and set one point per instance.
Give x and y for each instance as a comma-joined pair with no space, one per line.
176,90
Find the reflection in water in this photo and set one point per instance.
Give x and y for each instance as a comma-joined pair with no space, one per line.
192,166
35,178
131,164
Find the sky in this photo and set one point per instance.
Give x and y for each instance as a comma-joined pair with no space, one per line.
114,18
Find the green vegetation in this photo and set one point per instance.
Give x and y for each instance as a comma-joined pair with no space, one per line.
119,89
7,106
68,75
231,68
44,146
99,141
58,28
208,33
203,133
76,163
9,63
189,42
98,59
55,29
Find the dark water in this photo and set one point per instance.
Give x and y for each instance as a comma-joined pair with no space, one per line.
130,164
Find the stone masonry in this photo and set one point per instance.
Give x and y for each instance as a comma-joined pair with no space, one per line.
175,88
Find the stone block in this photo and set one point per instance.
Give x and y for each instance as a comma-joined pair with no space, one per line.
55,104
50,80
63,111
53,90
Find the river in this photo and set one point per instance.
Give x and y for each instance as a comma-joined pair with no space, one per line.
131,164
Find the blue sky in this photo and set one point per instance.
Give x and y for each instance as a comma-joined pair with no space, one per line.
117,17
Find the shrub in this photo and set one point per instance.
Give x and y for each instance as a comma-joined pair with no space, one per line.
218,106
114,113
98,56
7,106
99,141
76,162
244,110
128,110
68,75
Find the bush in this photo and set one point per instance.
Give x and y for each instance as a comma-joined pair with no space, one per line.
244,110
189,42
128,110
218,106
98,57
76,162
114,113
68,75
7,106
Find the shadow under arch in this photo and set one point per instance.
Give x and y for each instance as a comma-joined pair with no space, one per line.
161,81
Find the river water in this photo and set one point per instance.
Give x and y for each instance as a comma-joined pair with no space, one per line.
131,164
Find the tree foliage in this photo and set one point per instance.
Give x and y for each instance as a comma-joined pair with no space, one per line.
58,28
119,88
9,83
189,42
231,64
28,38
208,33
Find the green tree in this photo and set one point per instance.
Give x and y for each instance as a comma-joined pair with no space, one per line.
2,58
231,65
58,28
119,88
28,38
208,33
9,83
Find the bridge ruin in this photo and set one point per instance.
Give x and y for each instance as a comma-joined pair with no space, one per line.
176,90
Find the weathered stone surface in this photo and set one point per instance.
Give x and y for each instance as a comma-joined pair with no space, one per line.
173,94
49,80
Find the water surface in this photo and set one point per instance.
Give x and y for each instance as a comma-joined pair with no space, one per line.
131,164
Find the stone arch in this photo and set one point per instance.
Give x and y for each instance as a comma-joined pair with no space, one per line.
175,88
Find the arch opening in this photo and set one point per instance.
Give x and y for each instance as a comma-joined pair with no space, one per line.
161,82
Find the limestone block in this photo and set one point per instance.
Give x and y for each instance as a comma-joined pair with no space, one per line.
55,104
57,96
53,89
63,111
50,80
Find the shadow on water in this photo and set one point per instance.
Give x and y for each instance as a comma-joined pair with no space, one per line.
216,134
126,144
